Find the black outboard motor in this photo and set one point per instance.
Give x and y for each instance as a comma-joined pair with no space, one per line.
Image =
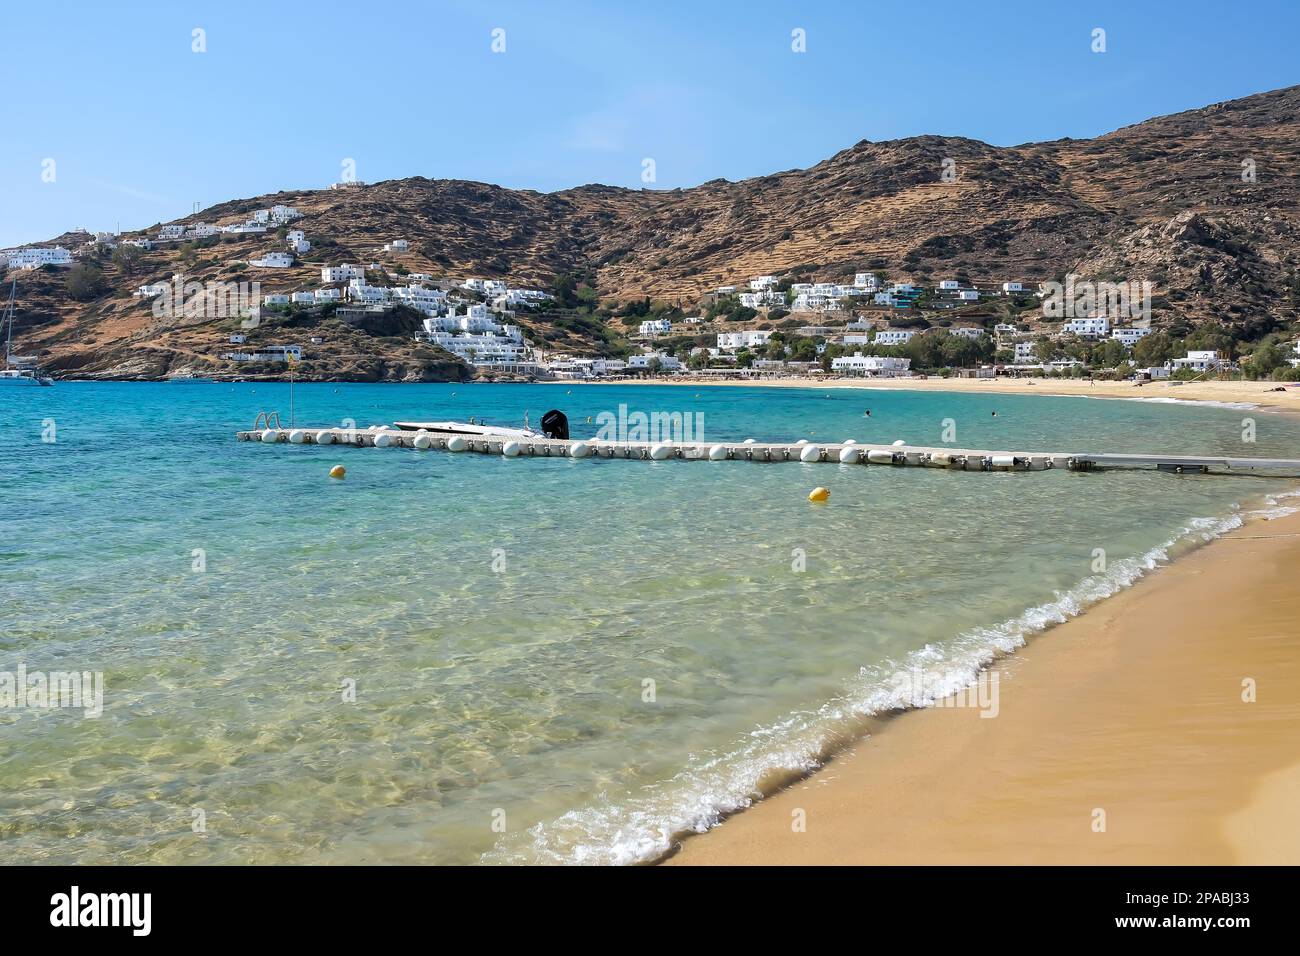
555,424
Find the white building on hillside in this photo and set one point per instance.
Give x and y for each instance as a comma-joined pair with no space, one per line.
273,260
36,257
479,340
343,273
733,341
656,327
893,336
419,297
1094,328
762,283
1130,337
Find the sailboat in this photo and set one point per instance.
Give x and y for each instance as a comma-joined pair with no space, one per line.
17,371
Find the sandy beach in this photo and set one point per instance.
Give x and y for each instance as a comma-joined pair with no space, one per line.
1124,736
1261,394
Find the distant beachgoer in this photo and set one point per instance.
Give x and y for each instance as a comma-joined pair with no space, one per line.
868,413
995,414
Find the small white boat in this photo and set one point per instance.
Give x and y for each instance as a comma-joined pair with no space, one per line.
23,376
554,425
476,429
17,371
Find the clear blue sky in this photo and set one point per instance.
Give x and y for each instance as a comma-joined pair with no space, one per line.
140,127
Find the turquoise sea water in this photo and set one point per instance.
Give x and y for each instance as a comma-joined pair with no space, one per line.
502,620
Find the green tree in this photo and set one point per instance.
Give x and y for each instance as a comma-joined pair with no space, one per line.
86,281
128,259
1045,350
1154,349
1264,361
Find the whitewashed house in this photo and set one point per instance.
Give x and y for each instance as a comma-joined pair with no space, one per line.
151,290
283,214
667,363
303,298
949,285
873,366
1130,337
762,283
1011,288
1024,353
275,298
343,273
893,336
327,295
967,333
968,295
866,281
273,260
1198,361
36,257
397,245
174,231
656,327
1092,328
734,341
418,297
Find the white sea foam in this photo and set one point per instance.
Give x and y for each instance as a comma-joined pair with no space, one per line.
1167,400
713,785
1209,403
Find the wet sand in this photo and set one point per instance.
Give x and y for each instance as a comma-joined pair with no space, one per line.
1133,710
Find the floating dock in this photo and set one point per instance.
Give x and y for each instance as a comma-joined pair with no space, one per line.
808,452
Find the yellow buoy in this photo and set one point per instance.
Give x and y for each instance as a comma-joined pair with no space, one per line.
338,471
819,494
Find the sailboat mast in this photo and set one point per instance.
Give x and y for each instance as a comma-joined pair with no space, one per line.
9,339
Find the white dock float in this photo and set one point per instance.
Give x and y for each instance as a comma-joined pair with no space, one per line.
807,452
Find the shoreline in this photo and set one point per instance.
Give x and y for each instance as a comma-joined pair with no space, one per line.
1133,708
1241,394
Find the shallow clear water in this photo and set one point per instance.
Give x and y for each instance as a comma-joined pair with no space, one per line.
501,618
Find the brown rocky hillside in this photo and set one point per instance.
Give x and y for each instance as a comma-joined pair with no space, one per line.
1163,200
